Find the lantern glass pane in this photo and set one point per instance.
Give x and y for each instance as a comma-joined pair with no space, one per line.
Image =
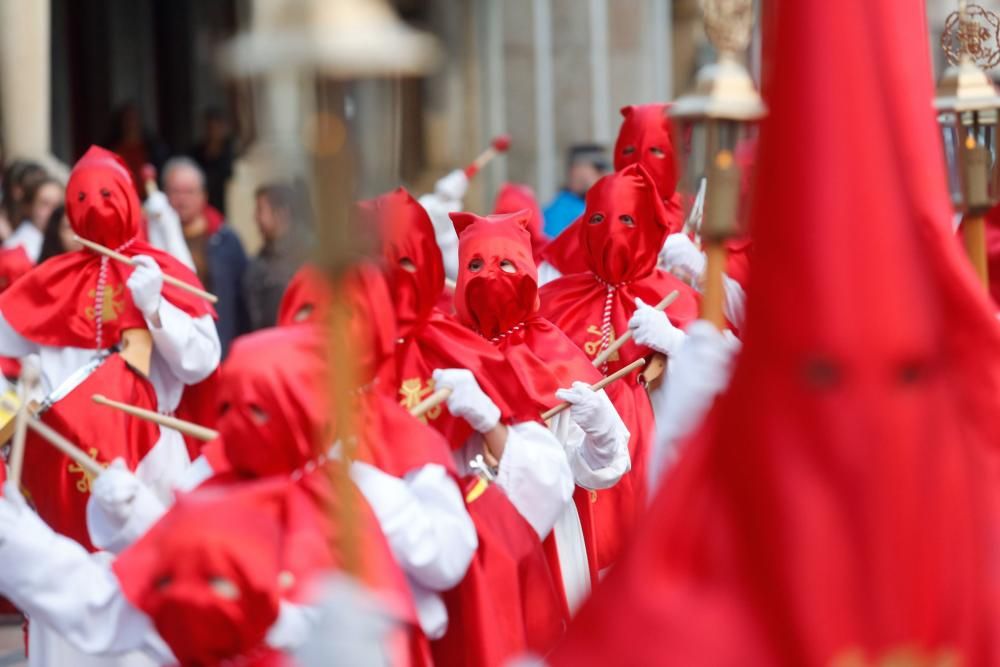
948,123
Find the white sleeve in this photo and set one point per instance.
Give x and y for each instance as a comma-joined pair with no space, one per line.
424,520
438,208
733,301
189,345
55,581
597,461
13,344
196,473
535,475
165,230
293,627
695,376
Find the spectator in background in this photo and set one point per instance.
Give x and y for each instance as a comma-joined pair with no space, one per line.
59,236
283,224
218,255
215,155
134,143
18,176
41,197
585,163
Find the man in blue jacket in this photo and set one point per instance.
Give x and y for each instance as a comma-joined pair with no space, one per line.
585,163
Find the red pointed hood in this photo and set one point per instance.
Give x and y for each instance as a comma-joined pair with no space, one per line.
497,280
272,413
840,505
101,201
514,197
413,261
644,138
624,226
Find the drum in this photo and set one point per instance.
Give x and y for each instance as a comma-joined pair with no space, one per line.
59,488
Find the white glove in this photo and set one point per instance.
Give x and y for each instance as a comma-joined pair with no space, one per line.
120,509
680,252
453,186
652,328
156,205
467,399
591,410
146,284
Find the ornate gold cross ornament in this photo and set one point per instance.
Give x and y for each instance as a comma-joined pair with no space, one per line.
728,24
972,31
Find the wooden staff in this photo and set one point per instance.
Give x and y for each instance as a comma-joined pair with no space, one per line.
28,381
185,427
603,357
617,375
500,144
170,280
974,237
429,403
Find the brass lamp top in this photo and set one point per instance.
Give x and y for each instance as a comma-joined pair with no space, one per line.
971,42
965,87
341,39
724,90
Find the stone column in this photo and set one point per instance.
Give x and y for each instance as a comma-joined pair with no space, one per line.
25,93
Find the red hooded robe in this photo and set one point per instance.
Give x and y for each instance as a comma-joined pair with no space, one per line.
626,225
839,506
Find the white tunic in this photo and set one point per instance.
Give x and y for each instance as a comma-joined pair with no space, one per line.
597,462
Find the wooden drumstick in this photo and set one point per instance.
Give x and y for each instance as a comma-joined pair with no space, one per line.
170,280
185,427
603,357
500,144
429,403
28,381
57,440
597,386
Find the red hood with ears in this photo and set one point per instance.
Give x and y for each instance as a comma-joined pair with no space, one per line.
624,226
514,197
413,263
497,278
644,138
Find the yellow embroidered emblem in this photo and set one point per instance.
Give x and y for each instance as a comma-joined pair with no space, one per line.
413,391
477,490
593,347
903,656
86,479
112,303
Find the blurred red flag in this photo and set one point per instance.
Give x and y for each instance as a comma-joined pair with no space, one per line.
839,506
